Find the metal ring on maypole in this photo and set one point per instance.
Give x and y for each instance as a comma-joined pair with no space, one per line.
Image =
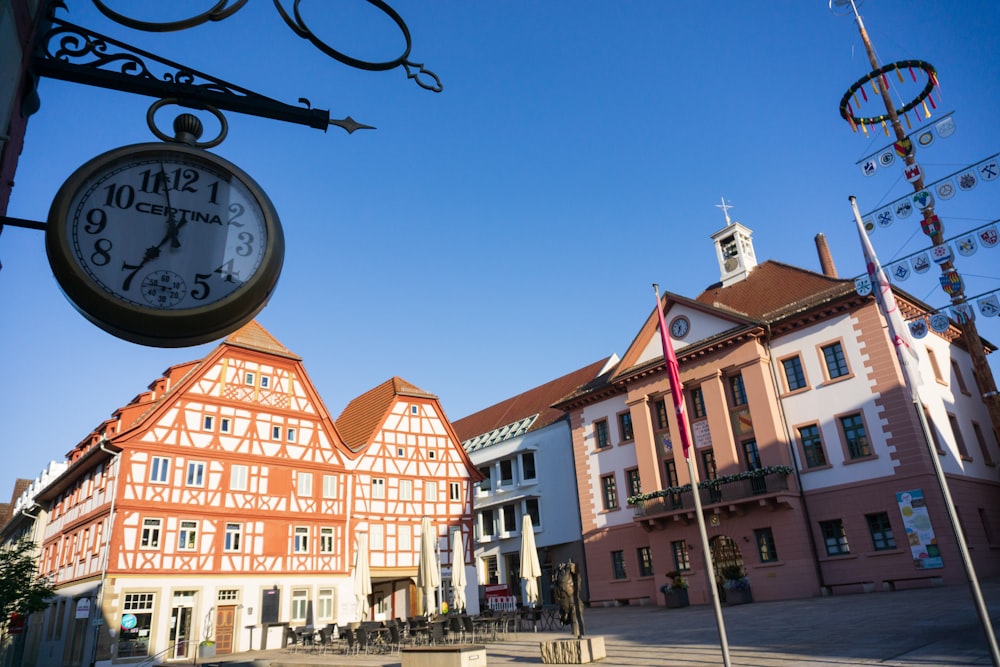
879,77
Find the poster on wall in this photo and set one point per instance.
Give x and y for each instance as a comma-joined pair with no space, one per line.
919,531
700,434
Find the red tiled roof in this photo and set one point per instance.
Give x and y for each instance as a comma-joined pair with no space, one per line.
534,401
255,337
773,289
363,415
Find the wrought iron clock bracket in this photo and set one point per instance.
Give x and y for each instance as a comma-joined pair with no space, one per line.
72,53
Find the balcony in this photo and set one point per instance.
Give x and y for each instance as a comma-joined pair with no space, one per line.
734,493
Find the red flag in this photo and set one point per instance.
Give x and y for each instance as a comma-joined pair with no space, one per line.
674,373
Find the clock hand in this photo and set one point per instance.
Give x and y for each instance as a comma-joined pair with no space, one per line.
152,252
172,225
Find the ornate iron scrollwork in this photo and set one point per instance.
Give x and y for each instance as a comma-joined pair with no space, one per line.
299,27
73,53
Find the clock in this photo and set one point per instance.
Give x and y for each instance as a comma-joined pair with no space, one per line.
679,327
164,244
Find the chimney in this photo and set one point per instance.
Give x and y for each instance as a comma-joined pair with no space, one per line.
825,258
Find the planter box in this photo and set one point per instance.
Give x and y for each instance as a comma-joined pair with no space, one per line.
676,598
739,597
206,650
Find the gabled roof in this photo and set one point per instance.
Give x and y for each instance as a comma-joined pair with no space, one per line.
364,415
535,402
773,290
253,336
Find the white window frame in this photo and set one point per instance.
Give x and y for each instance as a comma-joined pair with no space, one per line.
406,489
225,424
305,484
326,540
149,538
301,540
159,470
329,486
233,542
187,535
376,534
195,474
239,476
430,491
378,488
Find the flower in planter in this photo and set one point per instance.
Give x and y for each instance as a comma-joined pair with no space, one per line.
735,579
207,642
676,580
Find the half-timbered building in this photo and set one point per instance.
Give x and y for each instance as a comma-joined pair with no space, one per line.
219,505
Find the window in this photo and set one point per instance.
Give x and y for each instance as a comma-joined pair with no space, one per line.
812,446
601,439
248,379
765,545
795,377
632,481
935,436
737,391
406,489
326,540
324,598
301,544
265,381
234,536
660,415
670,467
158,469
486,484
963,451
836,363
491,570
414,410
528,465
275,433
935,366
981,439
834,537
378,488
300,600
682,561
430,492
487,523
376,532
752,455
228,595
187,537
196,473
431,454
708,462
329,486
609,492
225,425
509,518
645,557
625,432
881,531
531,509
853,429
150,538
207,423
454,491
697,403
959,378
506,472
291,435
305,484
404,538
618,564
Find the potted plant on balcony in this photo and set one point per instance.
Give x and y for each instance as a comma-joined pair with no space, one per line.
736,585
206,649
675,591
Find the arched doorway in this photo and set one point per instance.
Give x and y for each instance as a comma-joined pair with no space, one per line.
726,560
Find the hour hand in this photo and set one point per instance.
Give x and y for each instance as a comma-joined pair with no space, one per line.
172,225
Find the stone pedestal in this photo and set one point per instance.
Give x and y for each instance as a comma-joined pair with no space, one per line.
573,651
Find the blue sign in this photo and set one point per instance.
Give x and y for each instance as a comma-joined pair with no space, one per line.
129,621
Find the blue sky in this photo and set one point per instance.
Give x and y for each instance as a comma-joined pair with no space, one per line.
506,231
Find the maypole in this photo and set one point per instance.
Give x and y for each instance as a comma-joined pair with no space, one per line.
878,82
951,282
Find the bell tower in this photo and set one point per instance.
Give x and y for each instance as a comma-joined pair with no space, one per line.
733,249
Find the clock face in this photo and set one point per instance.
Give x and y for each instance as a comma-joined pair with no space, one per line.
679,327
164,244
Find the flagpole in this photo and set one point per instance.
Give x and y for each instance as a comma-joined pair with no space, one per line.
677,394
900,337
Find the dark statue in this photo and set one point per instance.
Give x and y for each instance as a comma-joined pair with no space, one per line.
566,588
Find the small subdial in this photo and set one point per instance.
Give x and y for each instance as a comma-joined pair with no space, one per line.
163,289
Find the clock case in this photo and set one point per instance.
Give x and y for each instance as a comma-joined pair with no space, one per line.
152,326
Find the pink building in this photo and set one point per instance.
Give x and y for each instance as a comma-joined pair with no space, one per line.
798,411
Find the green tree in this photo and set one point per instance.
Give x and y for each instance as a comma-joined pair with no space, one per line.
22,589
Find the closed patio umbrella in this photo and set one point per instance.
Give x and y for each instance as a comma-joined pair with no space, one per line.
428,574
531,570
362,577
458,569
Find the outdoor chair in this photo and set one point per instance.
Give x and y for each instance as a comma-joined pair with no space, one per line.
470,628
352,642
456,629
437,634
364,641
291,641
395,638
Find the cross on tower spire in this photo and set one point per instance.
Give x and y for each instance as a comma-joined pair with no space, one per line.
725,210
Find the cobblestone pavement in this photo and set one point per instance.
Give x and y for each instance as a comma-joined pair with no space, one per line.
916,628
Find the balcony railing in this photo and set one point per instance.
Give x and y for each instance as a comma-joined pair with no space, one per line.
723,491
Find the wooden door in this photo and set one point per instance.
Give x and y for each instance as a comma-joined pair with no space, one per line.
225,620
